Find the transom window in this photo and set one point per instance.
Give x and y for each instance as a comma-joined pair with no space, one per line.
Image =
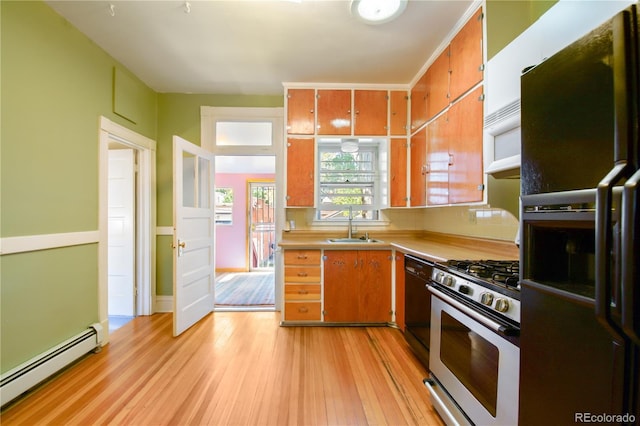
347,179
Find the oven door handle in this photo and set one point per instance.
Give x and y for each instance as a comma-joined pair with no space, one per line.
493,325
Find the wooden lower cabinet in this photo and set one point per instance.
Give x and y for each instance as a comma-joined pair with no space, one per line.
357,286
302,289
400,291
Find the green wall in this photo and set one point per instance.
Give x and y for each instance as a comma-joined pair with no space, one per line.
179,114
507,19
55,84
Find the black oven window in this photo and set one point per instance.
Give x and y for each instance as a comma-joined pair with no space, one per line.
472,359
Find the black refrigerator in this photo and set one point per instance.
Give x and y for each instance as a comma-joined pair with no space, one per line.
580,291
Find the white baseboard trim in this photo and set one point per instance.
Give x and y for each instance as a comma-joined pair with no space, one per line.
164,303
27,243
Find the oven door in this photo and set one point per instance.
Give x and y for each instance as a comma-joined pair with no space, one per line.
476,366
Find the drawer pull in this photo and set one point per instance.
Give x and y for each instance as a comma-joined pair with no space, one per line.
302,274
303,292
303,310
302,256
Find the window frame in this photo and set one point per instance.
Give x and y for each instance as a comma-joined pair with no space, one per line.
376,146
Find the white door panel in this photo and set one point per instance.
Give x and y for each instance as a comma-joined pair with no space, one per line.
194,271
121,233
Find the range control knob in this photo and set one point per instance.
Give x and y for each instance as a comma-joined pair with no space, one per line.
486,298
449,281
502,305
464,289
439,276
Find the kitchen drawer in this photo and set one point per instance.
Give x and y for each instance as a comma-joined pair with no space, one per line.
302,274
301,292
302,257
302,311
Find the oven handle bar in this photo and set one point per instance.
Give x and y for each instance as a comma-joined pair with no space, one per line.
499,328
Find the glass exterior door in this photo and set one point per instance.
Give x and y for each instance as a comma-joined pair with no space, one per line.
262,238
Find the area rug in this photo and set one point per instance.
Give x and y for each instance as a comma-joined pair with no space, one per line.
245,289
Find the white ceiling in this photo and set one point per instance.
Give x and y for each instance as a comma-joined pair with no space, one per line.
252,47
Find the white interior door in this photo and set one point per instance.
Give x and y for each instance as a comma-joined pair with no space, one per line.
121,232
193,202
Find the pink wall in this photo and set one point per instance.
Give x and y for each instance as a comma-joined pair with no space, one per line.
231,240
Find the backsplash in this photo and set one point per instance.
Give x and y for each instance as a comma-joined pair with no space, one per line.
473,221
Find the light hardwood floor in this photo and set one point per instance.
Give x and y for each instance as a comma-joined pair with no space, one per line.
236,368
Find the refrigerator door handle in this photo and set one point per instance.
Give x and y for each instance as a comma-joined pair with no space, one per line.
604,242
630,294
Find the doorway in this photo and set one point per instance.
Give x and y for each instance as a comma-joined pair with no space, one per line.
138,229
245,232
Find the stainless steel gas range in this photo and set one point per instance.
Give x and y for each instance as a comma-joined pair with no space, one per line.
474,355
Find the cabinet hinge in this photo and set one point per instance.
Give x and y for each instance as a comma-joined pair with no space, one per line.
481,187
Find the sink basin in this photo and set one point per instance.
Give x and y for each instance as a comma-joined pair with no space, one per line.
353,240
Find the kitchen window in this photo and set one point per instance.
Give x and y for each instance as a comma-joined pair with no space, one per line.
348,179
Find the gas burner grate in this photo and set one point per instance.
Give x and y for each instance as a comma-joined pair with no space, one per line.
500,271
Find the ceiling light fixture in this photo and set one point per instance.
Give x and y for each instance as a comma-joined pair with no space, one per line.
349,145
377,11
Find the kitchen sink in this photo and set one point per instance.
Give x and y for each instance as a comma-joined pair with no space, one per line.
353,240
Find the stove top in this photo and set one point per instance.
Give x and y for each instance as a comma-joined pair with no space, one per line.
503,273
494,284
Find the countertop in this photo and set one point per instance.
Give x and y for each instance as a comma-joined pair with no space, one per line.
431,246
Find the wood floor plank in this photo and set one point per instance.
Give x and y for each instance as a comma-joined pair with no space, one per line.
236,368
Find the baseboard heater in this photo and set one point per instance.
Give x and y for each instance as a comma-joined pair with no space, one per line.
15,382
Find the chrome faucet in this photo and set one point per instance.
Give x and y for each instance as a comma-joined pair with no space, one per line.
350,235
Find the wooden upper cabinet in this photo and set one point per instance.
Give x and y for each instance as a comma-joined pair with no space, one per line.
418,169
419,102
334,112
438,84
370,112
466,57
398,172
301,111
465,149
300,172
398,104
438,160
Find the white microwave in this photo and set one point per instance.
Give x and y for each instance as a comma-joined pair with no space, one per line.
502,142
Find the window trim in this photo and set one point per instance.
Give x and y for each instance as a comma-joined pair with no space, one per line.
378,146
